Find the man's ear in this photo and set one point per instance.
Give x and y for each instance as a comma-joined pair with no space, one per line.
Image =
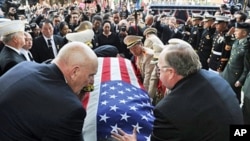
74,72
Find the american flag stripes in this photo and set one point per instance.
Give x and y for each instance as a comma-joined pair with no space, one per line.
118,101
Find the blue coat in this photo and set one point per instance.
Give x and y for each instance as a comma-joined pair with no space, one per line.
200,107
37,104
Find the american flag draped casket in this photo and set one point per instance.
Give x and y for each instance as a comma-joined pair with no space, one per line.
118,101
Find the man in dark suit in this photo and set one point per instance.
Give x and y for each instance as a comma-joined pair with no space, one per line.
12,33
200,105
46,46
42,101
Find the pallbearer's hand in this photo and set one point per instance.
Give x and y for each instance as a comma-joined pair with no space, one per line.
122,136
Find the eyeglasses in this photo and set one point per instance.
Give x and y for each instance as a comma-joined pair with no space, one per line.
158,69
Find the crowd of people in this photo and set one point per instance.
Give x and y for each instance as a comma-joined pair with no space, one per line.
196,74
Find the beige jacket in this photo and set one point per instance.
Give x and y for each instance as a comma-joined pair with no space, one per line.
152,39
145,67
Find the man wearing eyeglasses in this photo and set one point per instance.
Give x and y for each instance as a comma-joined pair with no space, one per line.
200,106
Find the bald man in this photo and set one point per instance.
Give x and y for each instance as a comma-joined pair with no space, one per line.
42,103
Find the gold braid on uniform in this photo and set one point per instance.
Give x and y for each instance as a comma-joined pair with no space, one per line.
89,44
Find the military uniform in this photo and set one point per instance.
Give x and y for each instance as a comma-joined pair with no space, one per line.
206,42
156,89
142,61
195,33
238,65
220,52
151,38
205,46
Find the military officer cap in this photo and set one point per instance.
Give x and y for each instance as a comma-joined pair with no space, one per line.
10,27
242,25
208,18
83,26
106,51
197,17
220,18
132,40
150,30
85,36
4,20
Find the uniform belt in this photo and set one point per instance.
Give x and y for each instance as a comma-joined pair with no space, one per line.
216,53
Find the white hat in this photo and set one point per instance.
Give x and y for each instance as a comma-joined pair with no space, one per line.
9,27
4,20
82,36
220,18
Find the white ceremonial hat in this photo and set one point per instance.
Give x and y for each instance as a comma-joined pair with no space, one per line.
82,36
220,18
4,20
13,26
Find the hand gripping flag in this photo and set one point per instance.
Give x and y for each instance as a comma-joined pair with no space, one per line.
118,101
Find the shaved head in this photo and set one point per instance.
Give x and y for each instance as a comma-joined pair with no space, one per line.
78,63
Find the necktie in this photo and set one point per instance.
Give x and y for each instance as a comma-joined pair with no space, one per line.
30,56
50,48
23,56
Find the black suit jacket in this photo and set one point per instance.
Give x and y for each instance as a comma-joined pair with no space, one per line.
41,51
37,104
8,59
200,107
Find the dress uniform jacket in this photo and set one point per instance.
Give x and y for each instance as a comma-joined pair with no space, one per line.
152,39
39,105
8,59
145,67
194,37
200,107
205,46
238,65
219,54
246,103
41,51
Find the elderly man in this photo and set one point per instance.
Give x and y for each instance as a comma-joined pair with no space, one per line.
12,34
42,101
201,104
142,56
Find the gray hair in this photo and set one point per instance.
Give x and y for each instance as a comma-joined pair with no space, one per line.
181,56
7,38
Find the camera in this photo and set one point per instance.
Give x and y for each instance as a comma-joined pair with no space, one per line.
234,8
88,1
123,28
